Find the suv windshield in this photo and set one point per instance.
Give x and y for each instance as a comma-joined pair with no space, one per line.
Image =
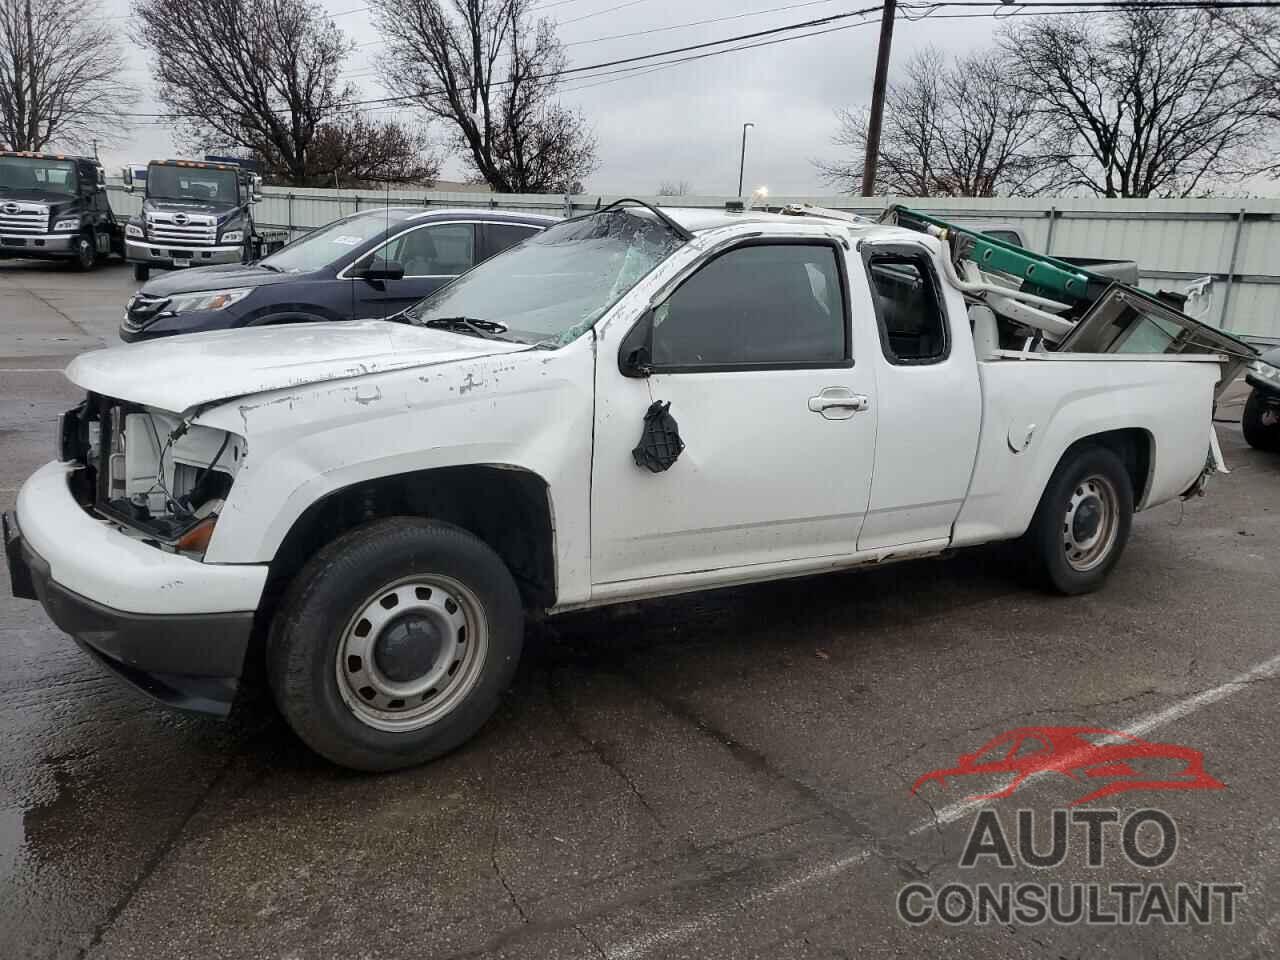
32,175
555,285
191,183
322,247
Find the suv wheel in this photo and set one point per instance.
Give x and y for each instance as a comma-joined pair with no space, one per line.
394,643
1261,423
1082,523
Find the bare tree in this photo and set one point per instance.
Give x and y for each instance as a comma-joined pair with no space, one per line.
1258,33
1142,102
59,76
950,129
489,72
674,188
263,76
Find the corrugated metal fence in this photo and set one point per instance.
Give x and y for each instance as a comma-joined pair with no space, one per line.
1237,242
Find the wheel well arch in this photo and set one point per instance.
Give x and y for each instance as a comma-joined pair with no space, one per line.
1135,446
507,507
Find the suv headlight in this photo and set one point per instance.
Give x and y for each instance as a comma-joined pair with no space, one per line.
62,226
134,230
207,300
233,236
1266,371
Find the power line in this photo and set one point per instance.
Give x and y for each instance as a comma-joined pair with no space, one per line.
1098,6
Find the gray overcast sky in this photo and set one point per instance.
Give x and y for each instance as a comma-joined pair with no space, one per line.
679,123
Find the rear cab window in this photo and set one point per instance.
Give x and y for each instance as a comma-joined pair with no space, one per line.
908,305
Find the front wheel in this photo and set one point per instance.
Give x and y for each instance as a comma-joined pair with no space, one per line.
141,272
86,253
394,643
1082,523
1261,422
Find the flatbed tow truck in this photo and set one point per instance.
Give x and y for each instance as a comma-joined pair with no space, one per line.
54,207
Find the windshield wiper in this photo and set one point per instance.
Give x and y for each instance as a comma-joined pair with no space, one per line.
480,328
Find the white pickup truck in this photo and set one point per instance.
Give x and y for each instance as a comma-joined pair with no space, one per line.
376,505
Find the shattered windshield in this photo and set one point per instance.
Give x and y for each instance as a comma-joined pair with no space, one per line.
553,286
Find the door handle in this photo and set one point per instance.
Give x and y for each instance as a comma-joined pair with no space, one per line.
839,403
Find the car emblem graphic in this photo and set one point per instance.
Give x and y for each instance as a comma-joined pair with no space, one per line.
1085,754
180,218
10,208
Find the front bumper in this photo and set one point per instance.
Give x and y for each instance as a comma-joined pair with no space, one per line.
164,254
38,244
195,321
174,627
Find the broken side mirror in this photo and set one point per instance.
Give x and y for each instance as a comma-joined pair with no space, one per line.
380,269
635,354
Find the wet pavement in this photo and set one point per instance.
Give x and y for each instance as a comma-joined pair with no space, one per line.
724,775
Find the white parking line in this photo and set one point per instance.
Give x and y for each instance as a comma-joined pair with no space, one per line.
1144,723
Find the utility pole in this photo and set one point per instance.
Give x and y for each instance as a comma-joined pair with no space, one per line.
742,163
877,98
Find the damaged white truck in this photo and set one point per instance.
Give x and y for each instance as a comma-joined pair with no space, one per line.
635,403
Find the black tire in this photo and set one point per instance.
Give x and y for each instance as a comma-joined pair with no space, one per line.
1090,481
86,252
318,619
141,272
1259,435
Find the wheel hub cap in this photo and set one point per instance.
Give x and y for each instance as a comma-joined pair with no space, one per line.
1091,524
411,653
407,648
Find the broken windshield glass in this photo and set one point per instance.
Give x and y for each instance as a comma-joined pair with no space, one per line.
555,285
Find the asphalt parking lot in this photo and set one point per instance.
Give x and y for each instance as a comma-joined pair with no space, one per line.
718,776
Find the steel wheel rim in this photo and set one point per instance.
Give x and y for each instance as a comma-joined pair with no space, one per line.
424,611
85,251
1091,524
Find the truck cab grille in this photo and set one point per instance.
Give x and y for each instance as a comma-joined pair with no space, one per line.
188,229
23,218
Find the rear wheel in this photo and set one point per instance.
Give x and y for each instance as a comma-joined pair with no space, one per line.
1261,423
141,272
1082,523
394,643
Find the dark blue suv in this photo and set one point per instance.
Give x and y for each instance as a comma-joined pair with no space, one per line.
368,265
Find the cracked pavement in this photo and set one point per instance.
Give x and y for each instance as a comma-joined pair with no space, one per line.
724,775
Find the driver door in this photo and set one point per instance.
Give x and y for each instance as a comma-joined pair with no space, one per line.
762,368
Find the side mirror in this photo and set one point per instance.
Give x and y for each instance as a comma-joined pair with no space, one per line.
380,269
126,174
635,353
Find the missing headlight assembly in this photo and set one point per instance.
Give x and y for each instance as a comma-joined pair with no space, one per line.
149,469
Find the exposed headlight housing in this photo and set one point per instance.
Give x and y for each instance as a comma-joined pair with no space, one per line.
207,300
65,226
134,230
233,236
1266,371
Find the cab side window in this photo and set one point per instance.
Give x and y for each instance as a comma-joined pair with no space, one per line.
913,328
772,304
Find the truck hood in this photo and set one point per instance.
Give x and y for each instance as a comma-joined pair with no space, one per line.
219,210
178,373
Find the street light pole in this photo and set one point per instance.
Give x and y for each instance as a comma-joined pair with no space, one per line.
742,163
877,98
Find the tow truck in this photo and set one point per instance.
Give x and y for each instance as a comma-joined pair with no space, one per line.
54,207
195,213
